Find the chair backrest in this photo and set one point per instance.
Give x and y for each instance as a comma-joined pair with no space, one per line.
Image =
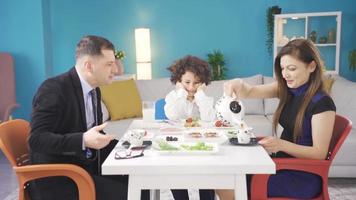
342,128
13,141
159,109
7,85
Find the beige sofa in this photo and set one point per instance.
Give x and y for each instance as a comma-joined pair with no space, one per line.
259,113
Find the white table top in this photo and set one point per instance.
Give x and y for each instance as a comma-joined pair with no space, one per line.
229,160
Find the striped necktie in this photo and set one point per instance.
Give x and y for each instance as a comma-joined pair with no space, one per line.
94,101
94,104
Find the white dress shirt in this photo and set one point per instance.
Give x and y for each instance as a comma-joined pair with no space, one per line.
87,101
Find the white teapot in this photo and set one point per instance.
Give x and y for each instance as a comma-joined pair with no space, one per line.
229,110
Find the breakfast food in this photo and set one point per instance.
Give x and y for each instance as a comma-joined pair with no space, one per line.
210,134
164,146
200,146
220,123
171,139
191,122
195,135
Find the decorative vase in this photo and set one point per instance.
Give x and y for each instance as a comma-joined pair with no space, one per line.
120,67
313,36
331,36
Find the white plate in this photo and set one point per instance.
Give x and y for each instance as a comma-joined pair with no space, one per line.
180,150
226,128
220,136
171,130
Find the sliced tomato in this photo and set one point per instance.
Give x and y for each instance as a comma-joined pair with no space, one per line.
219,123
189,120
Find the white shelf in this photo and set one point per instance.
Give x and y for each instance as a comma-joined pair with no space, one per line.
302,25
317,44
325,45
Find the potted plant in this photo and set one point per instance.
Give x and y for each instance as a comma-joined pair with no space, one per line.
271,11
352,60
217,62
313,36
119,56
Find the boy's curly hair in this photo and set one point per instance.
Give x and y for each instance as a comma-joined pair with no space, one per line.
197,66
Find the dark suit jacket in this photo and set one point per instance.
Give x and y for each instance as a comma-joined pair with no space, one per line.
58,122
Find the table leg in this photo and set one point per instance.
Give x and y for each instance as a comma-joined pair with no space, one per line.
154,194
134,191
240,187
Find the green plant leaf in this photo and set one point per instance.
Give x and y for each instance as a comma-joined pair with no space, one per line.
120,54
352,60
216,61
271,11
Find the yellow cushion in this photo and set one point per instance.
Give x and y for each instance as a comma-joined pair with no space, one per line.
328,84
122,99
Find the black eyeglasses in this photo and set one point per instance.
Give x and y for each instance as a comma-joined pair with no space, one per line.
133,152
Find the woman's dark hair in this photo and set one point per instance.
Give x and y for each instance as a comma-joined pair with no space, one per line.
197,66
305,51
92,45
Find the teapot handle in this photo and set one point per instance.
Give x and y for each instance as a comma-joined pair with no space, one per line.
225,95
233,97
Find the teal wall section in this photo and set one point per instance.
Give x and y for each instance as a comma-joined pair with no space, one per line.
42,34
21,34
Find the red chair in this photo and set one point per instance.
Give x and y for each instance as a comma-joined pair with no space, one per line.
13,142
7,87
342,128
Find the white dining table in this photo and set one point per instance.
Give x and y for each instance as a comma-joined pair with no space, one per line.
226,169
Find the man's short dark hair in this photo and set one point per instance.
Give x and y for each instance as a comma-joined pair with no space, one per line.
92,45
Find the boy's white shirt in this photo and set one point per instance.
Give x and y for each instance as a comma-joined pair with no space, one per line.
178,107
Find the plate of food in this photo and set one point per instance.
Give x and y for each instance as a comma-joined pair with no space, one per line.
190,148
171,130
218,124
205,135
192,122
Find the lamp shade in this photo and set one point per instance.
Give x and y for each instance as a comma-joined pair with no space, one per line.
143,45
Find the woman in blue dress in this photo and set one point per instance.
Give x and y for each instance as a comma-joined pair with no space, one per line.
305,111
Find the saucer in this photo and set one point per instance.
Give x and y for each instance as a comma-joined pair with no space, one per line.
235,141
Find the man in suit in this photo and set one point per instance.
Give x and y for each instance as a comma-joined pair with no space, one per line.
66,124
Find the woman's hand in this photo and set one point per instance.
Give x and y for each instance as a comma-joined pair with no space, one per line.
233,86
272,144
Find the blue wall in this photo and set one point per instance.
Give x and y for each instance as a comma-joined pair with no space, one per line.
44,43
21,34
